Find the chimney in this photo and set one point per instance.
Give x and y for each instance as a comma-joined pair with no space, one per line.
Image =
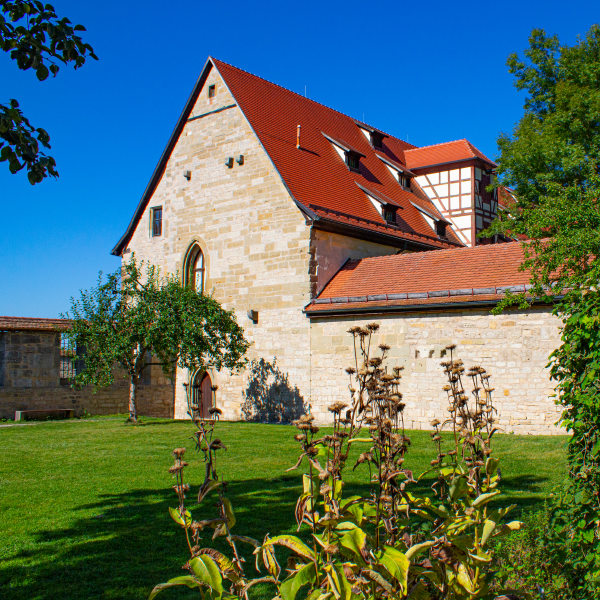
298,138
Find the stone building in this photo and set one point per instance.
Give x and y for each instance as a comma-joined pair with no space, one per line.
36,368
304,220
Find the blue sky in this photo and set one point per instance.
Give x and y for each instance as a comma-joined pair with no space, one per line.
428,72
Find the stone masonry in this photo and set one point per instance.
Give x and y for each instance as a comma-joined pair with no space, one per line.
30,380
513,347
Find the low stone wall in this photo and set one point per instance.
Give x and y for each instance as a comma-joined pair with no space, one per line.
30,380
513,347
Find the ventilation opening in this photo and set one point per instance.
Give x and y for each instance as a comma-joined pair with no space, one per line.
212,91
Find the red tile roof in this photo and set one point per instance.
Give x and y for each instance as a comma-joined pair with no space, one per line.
33,324
447,152
315,174
442,276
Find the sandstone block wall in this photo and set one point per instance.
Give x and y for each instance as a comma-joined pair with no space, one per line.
30,380
255,241
513,347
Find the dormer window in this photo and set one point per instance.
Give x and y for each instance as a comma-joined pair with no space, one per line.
440,228
376,140
353,161
389,214
404,180
351,156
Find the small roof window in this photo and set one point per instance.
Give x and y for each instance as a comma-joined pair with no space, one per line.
350,154
374,136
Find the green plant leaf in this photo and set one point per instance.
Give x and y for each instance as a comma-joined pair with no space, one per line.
290,587
417,549
176,516
488,528
293,543
184,580
356,542
207,571
397,564
483,499
378,579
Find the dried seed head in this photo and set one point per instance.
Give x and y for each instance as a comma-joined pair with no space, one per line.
178,452
384,347
373,327
434,423
215,411
337,407
354,330
451,347
350,370
300,437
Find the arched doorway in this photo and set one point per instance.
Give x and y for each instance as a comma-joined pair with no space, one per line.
202,399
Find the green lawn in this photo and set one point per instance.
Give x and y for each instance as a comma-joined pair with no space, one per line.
84,505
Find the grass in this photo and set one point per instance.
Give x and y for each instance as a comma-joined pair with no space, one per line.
84,506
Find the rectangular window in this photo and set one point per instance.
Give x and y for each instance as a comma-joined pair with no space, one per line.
353,161
376,140
440,228
212,91
68,360
156,221
389,215
404,181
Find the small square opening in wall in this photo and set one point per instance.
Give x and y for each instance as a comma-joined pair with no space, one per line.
212,90
156,221
440,228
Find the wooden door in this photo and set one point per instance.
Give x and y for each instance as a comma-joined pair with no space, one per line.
206,395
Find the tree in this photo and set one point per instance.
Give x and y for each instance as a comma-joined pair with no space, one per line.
135,314
552,160
36,39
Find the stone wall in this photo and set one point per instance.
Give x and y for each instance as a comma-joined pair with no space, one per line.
513,347
255,241
30,380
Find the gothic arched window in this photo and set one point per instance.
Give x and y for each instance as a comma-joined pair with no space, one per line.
195,269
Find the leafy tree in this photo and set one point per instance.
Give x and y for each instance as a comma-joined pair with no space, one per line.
37,39
135,314
552,160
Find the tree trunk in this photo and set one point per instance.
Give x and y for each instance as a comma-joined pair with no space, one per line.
132,391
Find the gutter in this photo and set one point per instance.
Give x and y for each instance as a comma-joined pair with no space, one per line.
378,310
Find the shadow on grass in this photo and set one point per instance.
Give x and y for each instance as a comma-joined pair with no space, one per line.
131,543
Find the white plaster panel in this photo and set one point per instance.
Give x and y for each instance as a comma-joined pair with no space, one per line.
442,190
454,189
465,201
466,187
455,175
444,177
434,178
465,173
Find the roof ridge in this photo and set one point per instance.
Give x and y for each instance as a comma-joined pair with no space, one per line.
440,144
315,102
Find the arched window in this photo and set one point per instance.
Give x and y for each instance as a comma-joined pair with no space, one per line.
195,269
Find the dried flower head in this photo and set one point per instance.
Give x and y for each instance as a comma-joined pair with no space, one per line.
178,452
337,407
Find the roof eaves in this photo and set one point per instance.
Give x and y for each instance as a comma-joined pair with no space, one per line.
379,196
429,214
370,129
393,164
343,145
452,162
164,159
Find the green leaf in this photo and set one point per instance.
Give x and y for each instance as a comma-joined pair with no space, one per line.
293,543
206,570
458,488
488,528
290,587
483,499
356,542
184,580
397,564
378,579
417,549
176,516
